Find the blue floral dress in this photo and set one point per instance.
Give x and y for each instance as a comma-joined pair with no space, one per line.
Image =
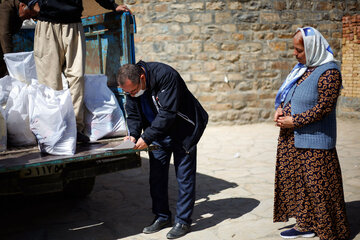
308,182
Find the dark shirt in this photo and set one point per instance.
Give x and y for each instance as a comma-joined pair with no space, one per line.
67,11
146,105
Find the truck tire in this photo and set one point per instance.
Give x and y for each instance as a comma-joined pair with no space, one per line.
79,188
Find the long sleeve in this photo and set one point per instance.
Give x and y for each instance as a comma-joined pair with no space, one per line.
329,86
108,4
5,32
10,23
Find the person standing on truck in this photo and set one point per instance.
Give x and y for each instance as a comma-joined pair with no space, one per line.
59,47
160,104
12,15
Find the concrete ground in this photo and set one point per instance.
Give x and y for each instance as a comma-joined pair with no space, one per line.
234,194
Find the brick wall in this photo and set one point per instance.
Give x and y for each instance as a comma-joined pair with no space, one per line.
234,55
349,104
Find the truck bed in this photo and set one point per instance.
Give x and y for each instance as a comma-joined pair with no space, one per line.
28,171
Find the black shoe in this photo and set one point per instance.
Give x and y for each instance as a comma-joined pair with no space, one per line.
178,230
81,137
157,225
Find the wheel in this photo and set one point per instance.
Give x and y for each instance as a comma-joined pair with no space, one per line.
79,188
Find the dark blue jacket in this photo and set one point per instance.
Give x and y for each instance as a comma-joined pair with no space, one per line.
178,113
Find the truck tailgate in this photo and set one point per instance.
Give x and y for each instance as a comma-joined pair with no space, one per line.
15,160
28,171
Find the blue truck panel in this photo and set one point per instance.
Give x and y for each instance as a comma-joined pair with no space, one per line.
24,40
109,43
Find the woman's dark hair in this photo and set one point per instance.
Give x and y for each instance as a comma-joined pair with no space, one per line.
131,72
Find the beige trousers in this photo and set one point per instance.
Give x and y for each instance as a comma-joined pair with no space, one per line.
60,48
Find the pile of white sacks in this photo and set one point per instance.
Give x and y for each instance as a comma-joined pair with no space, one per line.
32,113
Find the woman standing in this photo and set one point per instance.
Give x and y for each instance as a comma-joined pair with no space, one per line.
308,182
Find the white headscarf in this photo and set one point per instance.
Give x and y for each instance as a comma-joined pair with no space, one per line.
317,52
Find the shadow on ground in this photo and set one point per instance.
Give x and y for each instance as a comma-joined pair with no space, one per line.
120,206
211,213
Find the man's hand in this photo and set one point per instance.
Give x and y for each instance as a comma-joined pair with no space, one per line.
140,144
130,138
122,8
36,8
285,122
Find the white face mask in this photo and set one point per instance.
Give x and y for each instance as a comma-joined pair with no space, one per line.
140,92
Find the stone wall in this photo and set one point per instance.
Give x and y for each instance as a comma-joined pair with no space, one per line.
349,104
234,55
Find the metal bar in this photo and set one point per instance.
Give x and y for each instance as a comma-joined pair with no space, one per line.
125,39
100,55
132,44
96,33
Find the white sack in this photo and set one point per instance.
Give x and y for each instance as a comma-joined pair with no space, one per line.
52,119
103,116
7,83
64,82
3,131
17,117
28,24
21,66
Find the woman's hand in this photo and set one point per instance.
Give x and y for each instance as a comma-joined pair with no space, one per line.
285,122
278,114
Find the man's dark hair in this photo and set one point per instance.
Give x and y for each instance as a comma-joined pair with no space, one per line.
26,2
131,72
29,3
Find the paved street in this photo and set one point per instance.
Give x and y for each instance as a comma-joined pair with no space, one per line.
234,194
